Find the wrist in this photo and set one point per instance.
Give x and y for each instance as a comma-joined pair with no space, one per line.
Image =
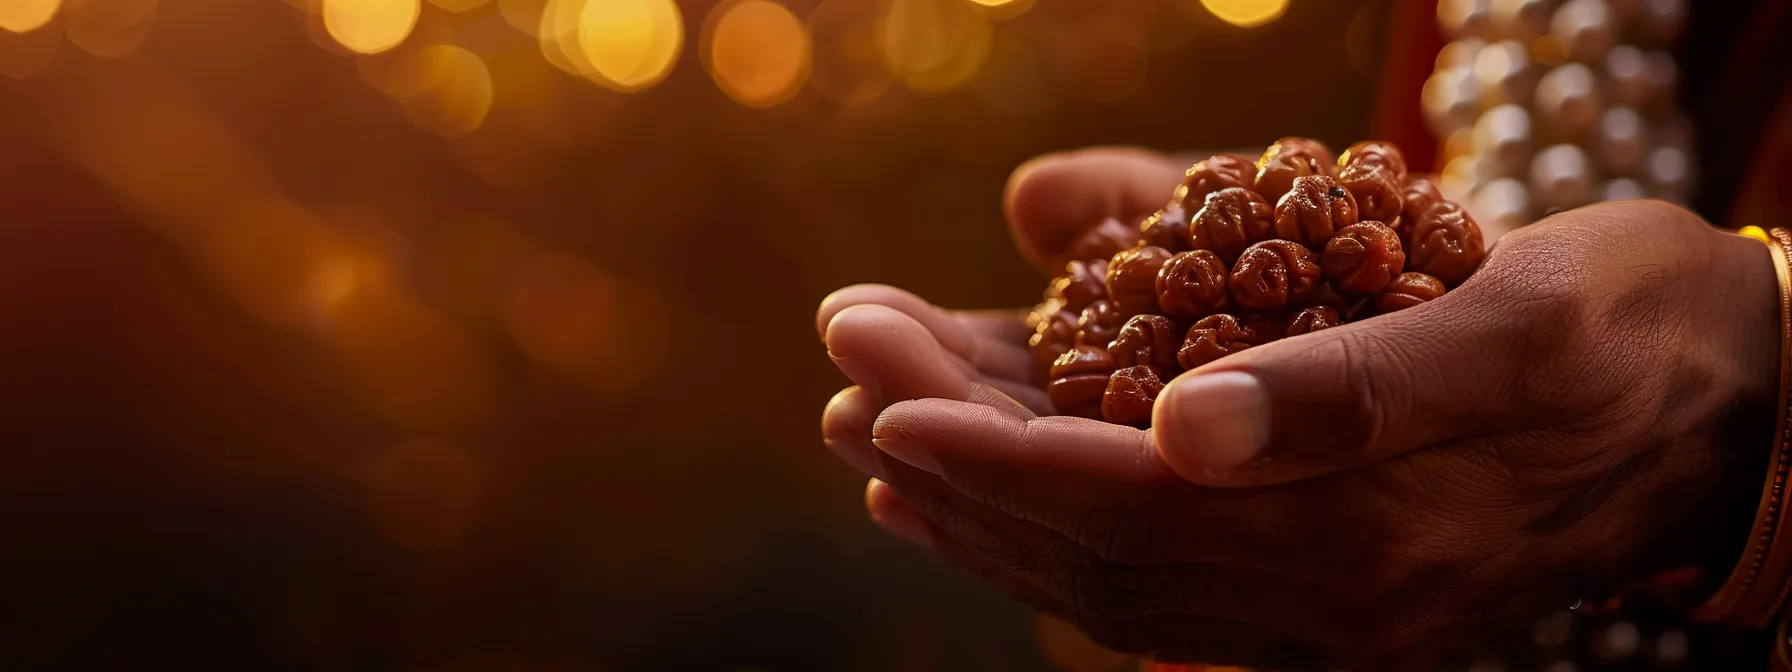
1747,291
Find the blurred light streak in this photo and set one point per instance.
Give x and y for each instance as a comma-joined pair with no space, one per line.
1246,13
630,44
108,27
457,98
423,494
607,333
147,138
23,16
932,45
370,26
25,54
848,66
756,50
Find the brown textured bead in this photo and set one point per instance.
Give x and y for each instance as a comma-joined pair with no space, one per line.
1274,274
1362,258
1314,209
1287,160
1221,171
1132,279
1231,220
1418,196
1406,291
1446,243
1312,319
1192,285
1213,337
1378,195
1099,324
1149,340
1079,379
1130,395
1375,154
1054,335
1083,359
1107,238
1085,283
1168,228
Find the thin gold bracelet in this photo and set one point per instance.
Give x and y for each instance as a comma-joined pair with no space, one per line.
1744,600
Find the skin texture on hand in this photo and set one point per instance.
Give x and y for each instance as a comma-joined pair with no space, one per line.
1592,406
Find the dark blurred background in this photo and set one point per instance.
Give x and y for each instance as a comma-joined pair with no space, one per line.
336,338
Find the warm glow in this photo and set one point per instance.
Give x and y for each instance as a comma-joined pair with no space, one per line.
932,45
523,15
457,97
630,44
458,5
1246,13
847,65
607,333
423,495
108,27
370,26
757,51
21,16
25,54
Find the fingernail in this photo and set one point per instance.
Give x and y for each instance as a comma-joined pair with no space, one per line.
859,371
1211,425
903,522
907,451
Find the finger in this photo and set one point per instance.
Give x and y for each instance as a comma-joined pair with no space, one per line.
846,429
894,358
1351,395
1055,200
889,512
1104,487
992,346
1095,590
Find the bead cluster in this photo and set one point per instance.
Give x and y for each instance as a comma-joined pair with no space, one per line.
1545,105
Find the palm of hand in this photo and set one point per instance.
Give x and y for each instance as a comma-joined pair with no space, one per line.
1370,551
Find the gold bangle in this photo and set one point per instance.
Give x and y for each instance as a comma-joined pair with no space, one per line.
1744,599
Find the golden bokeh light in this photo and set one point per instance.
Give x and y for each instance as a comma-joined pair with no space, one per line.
1246,13
370,26
607,333
756,50
25,54
458,6
630,44
847,65
457,94
932,45
424,495
108,27
1003,9
523,15
23,16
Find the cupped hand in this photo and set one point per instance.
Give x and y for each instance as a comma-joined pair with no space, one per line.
1593,406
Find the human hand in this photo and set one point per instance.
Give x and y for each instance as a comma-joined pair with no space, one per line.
1566,419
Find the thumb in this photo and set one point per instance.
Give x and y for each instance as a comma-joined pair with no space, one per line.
1344,397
